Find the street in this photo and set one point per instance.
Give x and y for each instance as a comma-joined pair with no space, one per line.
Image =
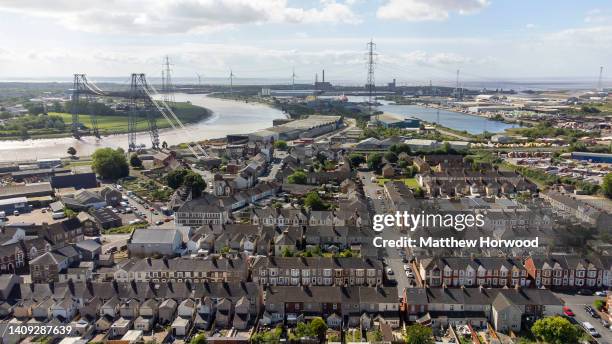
378,205
576,303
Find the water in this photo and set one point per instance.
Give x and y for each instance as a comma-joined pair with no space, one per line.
450,119
229,117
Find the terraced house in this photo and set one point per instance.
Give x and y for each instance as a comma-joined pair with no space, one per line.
317,271
469,272
567,271
193,270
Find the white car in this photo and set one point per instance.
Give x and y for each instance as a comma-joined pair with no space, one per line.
601,293
389,271
409,274
406,267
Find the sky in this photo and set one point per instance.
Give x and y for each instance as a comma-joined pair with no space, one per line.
416,40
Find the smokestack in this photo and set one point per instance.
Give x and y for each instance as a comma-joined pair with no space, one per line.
323,75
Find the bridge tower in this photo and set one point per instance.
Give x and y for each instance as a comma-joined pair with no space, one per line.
140,103
82,89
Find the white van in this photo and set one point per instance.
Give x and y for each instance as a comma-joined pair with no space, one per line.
58,215
590,329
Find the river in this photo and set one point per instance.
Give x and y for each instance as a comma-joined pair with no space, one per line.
229,117
450,119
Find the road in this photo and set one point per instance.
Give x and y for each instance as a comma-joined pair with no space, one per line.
379,206
576,303
453,134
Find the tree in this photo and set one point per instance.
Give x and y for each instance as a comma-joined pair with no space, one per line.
418,334
110,163
607,185
198,339
195,182
400,148
314,202
280,145
390,157
319,327
297,177
135,160
175,178
599,304
375,161
555,330
72,151
356,159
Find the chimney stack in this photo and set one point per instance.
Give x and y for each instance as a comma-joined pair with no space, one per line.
323,75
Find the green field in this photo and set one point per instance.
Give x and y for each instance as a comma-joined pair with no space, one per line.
116,124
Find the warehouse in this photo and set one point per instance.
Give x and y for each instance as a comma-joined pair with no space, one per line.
9,205
27,190
593,157
387,120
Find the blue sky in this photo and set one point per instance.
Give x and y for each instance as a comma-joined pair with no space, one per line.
417,40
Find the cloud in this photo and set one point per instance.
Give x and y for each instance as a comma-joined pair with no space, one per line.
179,16
597,16
428,10
595,37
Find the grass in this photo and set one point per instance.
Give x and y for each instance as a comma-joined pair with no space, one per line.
410,182
126,229
118,124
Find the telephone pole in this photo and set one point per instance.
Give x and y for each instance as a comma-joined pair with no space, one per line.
370,81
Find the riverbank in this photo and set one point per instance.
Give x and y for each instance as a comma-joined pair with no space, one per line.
108,124
228,117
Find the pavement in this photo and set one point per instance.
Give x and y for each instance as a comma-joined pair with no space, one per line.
378,205
576,304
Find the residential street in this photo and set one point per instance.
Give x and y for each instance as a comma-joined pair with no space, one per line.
378,205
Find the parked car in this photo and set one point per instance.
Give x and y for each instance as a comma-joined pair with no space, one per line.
587,292
567,311
389,271
601,293
406,267
590,329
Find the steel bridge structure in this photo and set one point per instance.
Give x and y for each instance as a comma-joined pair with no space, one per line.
144,102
